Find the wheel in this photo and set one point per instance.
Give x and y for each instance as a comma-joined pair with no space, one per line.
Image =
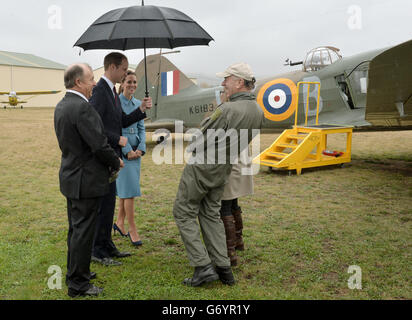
160,139
163,135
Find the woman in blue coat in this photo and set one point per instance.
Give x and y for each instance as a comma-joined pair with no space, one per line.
128,182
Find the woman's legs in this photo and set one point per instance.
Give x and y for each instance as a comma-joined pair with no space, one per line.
237,215
129,209
230,231
121,216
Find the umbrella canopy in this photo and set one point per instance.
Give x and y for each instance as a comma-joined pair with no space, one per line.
140,27
144,27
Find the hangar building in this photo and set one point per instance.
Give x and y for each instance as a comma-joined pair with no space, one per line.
27,72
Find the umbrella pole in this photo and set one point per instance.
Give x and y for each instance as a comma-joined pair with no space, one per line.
145,68
145,63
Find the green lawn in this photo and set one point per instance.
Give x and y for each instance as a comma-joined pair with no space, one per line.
301,232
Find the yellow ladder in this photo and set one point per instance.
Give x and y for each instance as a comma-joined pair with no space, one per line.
304,147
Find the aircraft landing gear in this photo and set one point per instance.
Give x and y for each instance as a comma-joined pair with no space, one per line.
163,137
160,139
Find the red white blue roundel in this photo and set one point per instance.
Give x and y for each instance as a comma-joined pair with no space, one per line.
277,99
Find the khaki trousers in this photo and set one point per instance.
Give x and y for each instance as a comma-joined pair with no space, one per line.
197,204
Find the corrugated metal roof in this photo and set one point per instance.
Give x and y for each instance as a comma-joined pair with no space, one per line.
28,60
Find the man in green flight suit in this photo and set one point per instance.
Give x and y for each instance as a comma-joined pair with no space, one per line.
223,136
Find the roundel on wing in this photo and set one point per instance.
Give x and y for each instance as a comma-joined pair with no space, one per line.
277,99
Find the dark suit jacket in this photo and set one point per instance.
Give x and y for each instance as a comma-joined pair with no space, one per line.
113,117
87,157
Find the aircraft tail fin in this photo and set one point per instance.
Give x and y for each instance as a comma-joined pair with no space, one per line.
164,79
389,98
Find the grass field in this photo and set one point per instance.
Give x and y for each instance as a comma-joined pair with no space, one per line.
301,232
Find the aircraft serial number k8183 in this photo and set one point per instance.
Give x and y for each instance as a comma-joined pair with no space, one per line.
205,108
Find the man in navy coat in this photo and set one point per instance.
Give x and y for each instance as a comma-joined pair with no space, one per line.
107,103
86,162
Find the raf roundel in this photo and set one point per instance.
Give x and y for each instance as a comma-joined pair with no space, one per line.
277,99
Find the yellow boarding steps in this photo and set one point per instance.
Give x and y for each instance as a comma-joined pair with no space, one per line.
305,147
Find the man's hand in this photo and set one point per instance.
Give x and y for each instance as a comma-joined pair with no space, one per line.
146,104
123,141
223,97
121,163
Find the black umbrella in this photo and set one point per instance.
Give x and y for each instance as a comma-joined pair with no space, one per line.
141,27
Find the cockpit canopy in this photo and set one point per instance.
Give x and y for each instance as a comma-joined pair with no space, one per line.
321,57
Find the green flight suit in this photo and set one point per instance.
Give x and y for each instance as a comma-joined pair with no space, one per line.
201,186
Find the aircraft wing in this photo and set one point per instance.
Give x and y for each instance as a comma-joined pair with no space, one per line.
389,97
168,124
29,93
8,102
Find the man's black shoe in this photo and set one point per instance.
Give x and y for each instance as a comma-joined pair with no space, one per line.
226,275
93,275
106,261
92,291
118,254
202,275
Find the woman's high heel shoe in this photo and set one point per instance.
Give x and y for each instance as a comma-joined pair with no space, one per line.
116,228
135,243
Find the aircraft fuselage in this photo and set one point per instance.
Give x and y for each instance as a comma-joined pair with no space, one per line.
367,90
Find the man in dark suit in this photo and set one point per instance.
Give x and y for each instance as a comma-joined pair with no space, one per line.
107,103
86,163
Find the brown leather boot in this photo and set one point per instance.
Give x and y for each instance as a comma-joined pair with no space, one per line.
230,231
237,215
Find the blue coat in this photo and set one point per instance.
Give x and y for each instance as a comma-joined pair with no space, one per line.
128,182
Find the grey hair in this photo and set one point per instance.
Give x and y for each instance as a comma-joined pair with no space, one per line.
250,84
73,73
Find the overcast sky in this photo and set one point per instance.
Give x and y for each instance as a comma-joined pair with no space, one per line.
263,34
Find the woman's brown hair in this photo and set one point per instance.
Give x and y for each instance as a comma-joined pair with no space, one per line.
128,73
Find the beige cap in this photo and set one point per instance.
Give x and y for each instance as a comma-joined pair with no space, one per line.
241,70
